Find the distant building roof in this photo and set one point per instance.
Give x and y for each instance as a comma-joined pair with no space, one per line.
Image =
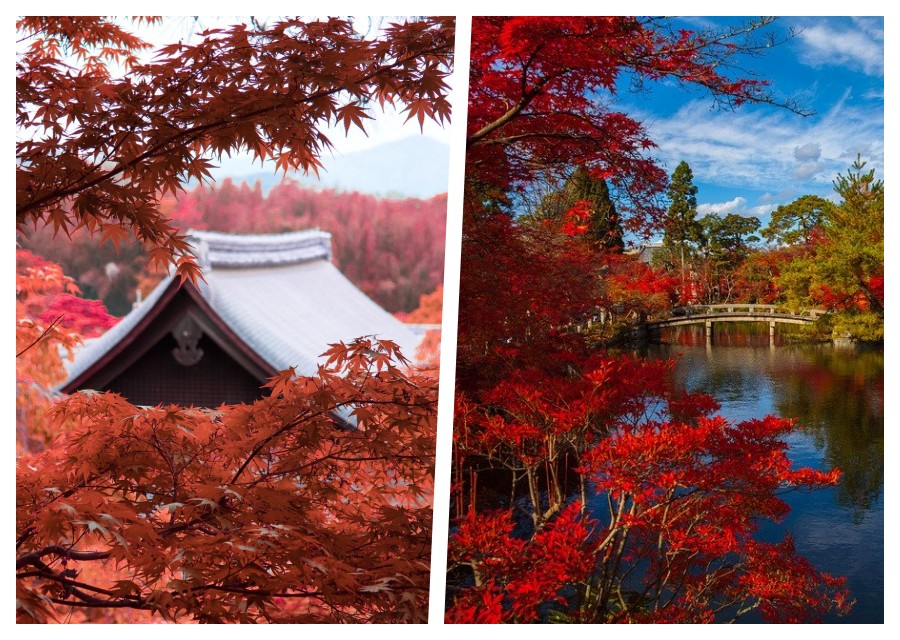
645,252
272,301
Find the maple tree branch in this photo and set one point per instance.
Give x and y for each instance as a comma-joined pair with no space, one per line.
34,558
191,134
259,447
61,578
98,603
28,533
512,112
43,335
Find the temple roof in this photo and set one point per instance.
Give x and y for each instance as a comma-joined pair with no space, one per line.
279,294
216,249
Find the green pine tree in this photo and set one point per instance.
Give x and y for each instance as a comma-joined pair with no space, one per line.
683,233
794,223
849,259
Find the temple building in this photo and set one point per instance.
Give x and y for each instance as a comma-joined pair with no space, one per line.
269,302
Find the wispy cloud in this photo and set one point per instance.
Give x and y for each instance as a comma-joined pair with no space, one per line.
809,152
874,94
770,150
860,46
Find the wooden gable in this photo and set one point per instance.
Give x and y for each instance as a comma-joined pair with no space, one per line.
179,353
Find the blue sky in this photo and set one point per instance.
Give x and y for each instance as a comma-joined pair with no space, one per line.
753,159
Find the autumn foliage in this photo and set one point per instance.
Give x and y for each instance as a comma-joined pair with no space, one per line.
228,514
392,249
310,505
103,149
542,97
642,505
588,487
664,534
51,320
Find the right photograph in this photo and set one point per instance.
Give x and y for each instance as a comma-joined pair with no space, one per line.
669,402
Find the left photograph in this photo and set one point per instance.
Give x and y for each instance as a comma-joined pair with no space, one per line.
229,275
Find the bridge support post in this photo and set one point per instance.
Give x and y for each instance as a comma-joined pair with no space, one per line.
708,332
641,333
771,333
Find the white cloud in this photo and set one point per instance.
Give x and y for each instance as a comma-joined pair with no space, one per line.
762,210
718,208
861,48
768,149
811,151
874,27
738,205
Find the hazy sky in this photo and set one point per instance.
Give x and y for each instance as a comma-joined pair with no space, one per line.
753,159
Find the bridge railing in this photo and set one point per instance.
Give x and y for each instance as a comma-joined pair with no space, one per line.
742,309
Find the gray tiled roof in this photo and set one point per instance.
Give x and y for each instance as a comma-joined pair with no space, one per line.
280,293
245,250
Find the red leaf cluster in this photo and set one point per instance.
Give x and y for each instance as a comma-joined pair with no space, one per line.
101,151
228,514
542,95
50,321
676,544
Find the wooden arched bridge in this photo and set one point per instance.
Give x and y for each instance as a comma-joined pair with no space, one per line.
709,314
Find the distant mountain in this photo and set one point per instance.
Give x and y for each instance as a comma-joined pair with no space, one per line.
413,167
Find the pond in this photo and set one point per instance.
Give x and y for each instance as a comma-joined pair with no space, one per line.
837,398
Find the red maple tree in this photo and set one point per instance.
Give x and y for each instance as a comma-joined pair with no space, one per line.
243,513
102,149
542,96
276,511
621,498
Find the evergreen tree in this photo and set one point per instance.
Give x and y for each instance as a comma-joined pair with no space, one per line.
795,222
683,233
727,243
728,239
604,228
844,268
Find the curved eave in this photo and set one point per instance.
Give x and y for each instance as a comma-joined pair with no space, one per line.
100,352
103,352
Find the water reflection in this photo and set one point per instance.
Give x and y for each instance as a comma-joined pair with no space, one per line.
837,398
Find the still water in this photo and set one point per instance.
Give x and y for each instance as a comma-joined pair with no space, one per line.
837,398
